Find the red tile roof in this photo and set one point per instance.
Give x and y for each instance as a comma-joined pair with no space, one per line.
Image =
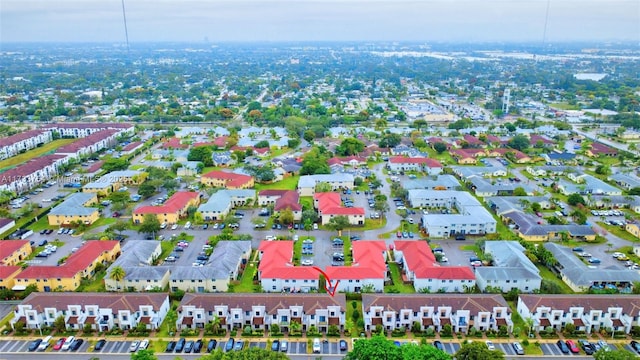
472,140
493,139
329,203
598,148
415,160
421,261
176,202
206,143
132,146
221,141
174,143
517,153
467,153
261,151
76,263
6,271
8,247
86,141
20,137
290,199
230,179
114,301
28,168
275,262
368,262
535,138
107,125
95,166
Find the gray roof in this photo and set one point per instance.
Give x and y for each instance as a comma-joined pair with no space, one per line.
73,205
504,204
144,273
580,274
591,185
448,181
528,225
505,273
630,180
484,185
469,171
222,262
220,200
135,261
311,180
509,254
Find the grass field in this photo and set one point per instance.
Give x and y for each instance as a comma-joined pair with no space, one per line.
288,183
33,153
398,285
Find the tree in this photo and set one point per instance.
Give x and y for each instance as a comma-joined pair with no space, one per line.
378,347
349,146
381,206
440,147
250,353
477,351
146,190
579,217
309,135
634,191
59,325
621,354
201,153
536,207
145,354
338,223
390,141
575,199
261,144
150,224
117,274
120,197
519,142
113,164
119,226
519,191
274,329
286,216
19,327
323,186
603,170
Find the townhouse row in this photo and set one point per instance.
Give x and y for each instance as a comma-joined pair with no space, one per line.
462,312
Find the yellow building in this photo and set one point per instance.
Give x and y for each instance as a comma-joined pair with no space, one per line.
114,180
14,251
67,277
75,208
633,229
172,210
7,276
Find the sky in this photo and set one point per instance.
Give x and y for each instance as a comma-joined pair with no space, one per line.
320,20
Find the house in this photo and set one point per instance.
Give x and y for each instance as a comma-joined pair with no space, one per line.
222,158
471,217
440,182
580,277
103,311
67,276
174,143
539,140
633,229
90,144
505,204
281,200
7,276
588,313
368,269
132,147
483,187
511,269
599,149
227,180
422,164
471,141
12,252
461,311
260,311
189,168
307,183
6,225
220,203
277,273
23,141
114,180
137,261
225,265
625,181
353,161
31,174
75,209
530,228
467,156
172,210
420,267
465,172
329,205
586,184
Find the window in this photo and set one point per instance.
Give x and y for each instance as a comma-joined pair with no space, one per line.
322,318
125,318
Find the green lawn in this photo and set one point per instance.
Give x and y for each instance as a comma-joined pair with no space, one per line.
33,153
93,285
246,281
619,232
42,223
398,285
564,106
547,274
288,183
349,316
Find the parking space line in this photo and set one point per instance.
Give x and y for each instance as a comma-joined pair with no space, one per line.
3,344
14,345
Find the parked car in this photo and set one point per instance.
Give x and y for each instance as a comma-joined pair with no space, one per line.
197,346
99,345
284,346
572,346
593,260
33,346
239,345
316,346
343,345
144,344
518,348
134,346
275,345
188,346
490,345
67,343
170,346
75,345
563,346
211,345
229,345
586,346
438,345
45,343
635,346
180,345
59,344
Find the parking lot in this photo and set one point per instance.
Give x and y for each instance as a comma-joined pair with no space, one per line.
552,349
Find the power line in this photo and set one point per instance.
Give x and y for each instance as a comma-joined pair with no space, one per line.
546,21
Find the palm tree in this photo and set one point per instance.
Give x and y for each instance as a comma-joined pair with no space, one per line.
117,274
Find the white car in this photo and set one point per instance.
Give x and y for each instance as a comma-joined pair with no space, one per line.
315,226
174,226
316,346
490,345
143,344
134,346
617,254
444,259
306,262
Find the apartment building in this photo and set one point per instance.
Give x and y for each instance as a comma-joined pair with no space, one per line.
277,273
76,208
103,311
31,174
368,269
23,141
172,210
329,205
260,311
461,311
227,180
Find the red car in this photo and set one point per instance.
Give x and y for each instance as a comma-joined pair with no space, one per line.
572,346
116,214
59,344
